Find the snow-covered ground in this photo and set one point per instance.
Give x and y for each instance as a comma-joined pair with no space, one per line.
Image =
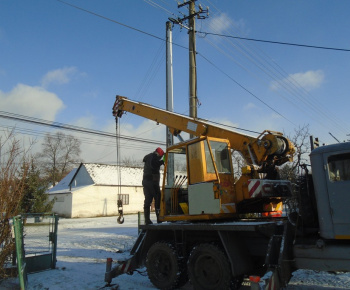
85,243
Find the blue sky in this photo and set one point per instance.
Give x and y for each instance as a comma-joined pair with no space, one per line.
62,64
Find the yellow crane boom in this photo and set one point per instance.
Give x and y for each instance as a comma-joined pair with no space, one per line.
268,147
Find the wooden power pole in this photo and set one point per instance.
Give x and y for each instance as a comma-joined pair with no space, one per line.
192,14
192,61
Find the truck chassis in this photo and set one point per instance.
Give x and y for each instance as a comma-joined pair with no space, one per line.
212,255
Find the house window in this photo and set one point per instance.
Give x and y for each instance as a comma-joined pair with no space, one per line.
124,198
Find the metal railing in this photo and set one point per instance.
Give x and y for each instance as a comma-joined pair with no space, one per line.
36,243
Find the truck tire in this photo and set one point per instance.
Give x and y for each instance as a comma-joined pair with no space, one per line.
165,270
209,268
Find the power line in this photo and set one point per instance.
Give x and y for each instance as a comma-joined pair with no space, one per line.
290,89
249,92
41,134
109,19
58,125
288,83
274,71
204,32
117,22
160,38
274,42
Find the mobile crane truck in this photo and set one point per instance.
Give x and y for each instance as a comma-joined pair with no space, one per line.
217,230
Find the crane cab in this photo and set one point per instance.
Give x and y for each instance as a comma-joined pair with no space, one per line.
202,186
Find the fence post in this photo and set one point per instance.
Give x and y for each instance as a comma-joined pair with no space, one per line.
54,242
21,265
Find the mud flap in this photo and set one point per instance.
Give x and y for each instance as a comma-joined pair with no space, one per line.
278,260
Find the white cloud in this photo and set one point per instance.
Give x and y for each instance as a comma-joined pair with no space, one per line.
222,22
31,101
225,122
59,76
308,80
250,106
85,121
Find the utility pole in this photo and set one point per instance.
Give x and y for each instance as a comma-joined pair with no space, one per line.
169,99
192,61
192,14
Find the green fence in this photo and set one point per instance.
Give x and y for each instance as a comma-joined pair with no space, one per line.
21,264
36,243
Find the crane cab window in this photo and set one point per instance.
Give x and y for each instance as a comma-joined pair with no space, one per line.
221,156
339,167
200,162
207,159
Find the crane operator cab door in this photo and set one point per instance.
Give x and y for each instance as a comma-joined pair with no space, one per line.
332,189
209,182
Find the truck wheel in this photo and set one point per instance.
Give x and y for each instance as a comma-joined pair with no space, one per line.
165,270
209,268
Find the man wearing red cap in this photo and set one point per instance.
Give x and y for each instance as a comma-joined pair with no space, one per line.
150,182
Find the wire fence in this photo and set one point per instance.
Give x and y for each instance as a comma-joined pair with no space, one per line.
36,244
36,233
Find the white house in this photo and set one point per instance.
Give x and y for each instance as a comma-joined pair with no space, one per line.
93,190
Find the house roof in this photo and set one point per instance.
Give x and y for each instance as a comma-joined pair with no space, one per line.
100,174
63,185
103,174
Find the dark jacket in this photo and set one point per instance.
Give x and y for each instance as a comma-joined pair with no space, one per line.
151,167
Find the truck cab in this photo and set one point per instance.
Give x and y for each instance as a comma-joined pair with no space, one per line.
331,177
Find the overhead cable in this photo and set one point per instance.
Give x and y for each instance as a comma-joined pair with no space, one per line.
222,35
22,118
256,97
117,22
273,42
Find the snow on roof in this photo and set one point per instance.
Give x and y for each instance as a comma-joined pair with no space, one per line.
103,174
100,174
63,185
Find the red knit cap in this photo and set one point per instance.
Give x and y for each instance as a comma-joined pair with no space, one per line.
160,151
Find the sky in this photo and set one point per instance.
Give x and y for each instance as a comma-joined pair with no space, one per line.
65,61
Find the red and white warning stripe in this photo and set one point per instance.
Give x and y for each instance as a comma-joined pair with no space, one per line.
254,188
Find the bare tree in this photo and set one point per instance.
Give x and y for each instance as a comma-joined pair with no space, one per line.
60,153
301,141
131,162
13,171
237,163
